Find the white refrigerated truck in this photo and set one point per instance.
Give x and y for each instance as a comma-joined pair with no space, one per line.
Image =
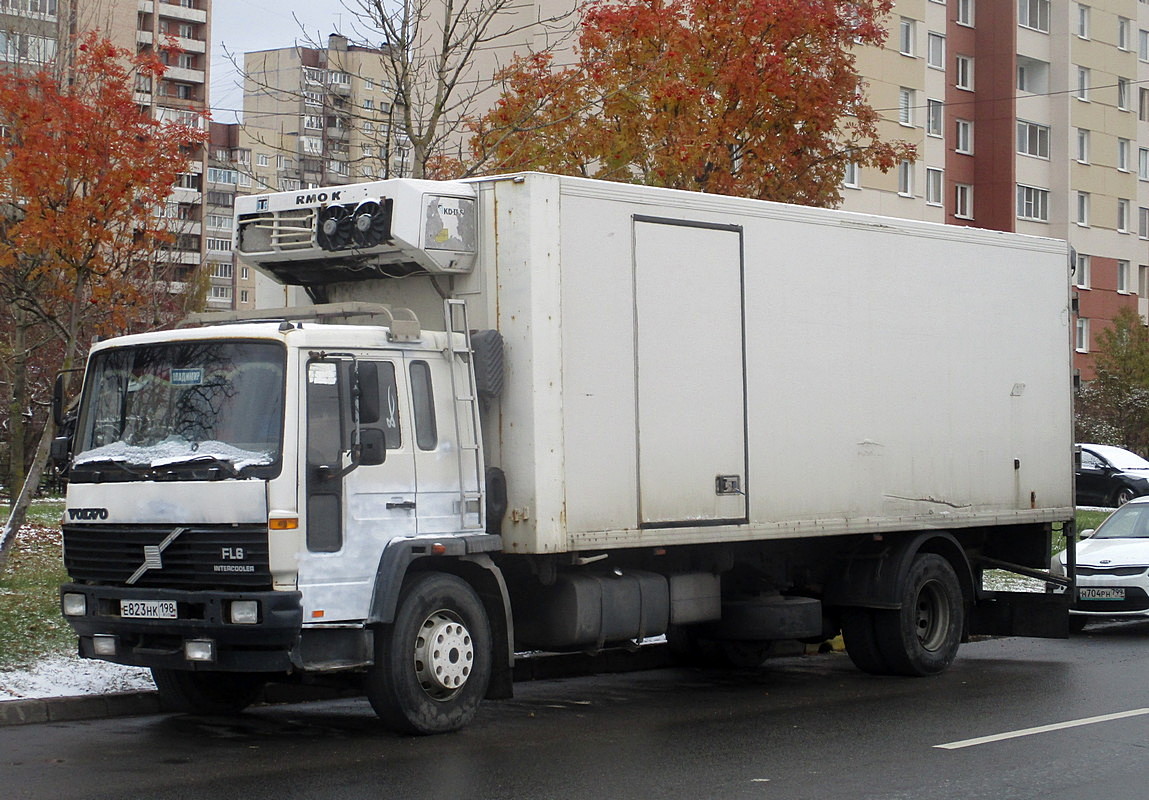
547,413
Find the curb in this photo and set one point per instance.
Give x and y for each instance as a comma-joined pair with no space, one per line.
70,709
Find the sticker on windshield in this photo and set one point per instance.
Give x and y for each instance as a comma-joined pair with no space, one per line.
190,376
322,373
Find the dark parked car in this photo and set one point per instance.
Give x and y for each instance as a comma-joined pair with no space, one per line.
1110,476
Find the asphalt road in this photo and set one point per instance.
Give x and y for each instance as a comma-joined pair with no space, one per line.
801,727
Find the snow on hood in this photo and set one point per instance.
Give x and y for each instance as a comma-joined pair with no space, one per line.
173,450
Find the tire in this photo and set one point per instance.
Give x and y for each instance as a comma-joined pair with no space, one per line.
861,641
433,663
1123,496
922,637
221,693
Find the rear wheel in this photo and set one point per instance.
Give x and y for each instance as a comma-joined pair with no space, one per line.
922,637
1123,496
433,664
207,692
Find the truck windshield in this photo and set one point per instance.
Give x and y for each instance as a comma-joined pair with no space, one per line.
183,410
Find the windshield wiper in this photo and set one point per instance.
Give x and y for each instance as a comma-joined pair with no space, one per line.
140,471
221,464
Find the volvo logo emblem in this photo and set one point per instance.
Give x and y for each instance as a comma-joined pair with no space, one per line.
153,555
87,513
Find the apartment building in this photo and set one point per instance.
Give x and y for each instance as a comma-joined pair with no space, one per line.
1029,116
320,116
230,285
35,32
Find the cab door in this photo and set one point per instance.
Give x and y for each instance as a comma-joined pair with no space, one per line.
354,509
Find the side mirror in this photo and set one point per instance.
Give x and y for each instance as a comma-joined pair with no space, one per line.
60,448
372,447
1085,534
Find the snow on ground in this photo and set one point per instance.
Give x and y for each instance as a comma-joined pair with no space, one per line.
66,676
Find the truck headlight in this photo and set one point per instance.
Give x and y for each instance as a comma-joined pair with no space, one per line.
75,604
244,612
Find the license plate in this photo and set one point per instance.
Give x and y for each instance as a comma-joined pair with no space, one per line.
148,609
1101,593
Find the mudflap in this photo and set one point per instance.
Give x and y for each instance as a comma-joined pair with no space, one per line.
1033,614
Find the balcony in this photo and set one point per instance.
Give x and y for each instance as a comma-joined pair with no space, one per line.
185,75
174,11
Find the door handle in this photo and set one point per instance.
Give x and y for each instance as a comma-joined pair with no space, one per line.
401,504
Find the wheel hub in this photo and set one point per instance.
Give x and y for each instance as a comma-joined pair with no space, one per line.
932,617
444,655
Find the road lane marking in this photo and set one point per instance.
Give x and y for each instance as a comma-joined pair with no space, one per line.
1073,723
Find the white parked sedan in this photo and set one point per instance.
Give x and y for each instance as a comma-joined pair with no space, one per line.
1112,567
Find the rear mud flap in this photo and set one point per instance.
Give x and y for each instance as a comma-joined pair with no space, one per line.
1033,614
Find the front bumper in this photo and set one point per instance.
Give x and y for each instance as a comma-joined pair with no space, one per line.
264,646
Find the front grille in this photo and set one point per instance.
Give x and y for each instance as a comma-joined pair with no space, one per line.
200,556
1124,572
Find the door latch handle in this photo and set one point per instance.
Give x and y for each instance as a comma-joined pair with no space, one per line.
401,504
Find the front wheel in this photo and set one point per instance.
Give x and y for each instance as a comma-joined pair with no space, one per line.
433,664
207,692
922,637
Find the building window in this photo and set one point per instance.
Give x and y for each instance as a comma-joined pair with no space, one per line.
963,139
1082,146
965,12
221,270
934,186
221,222
1123,277
1143,45
220,293
1082,26
963,78
1081,340
1123,29
1032,75
369,104
906,178
934,116
1143,223
1034,14
1081,271
1123,155
1033,139
1122,215
1123,94
850,179
244,296
1143,104
963,201
1032,203
313,121
906,106
906,37
1083,209
219,246
936,51
263,160
1082,83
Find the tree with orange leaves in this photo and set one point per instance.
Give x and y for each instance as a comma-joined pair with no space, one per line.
85,174
758,98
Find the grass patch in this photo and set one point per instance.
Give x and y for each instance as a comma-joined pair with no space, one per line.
30,621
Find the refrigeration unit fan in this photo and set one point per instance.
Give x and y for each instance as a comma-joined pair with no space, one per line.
334,228
372,223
